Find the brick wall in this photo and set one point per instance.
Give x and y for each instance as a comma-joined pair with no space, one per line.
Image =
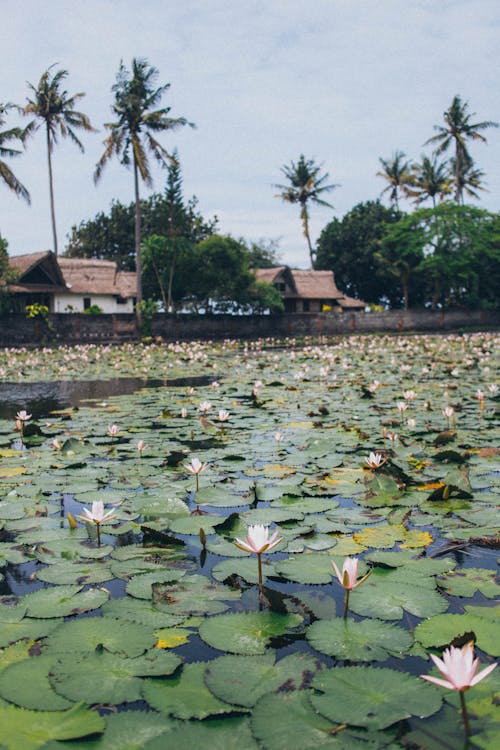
69,328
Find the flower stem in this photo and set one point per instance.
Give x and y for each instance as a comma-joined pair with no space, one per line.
98,534
197,482
465,715
346,602
259,563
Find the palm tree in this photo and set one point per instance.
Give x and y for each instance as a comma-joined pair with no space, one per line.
397,172
306,185
55,107
132,135
430,179
468,179
6,173
458,129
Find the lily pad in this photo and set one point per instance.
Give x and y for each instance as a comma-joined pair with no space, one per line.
246,633
32,729
62,601
194,595
367,640
87,634
439,631
242,680
185,696
371,697
27,685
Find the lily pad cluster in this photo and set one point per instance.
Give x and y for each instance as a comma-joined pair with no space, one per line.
153,631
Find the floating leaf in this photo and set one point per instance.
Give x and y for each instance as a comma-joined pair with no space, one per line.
368,640
466,581
242,680
89,633
232,733
27,685
63,601
311,567
193,595
185,695
32,729
439,631
246,633
371,697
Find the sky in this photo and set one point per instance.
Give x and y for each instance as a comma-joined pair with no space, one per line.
343,82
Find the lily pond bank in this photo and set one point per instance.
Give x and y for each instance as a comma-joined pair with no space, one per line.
18,330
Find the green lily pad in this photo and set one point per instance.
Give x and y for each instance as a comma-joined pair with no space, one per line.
143,586
32,729
29,627
89,633
289,720
242,680
367,640
245,568
439,631
185,696
27,685
314,568
144,612
102,677
388,593
62,601
246,633
231,733
194,595
371,697
79,573
466,581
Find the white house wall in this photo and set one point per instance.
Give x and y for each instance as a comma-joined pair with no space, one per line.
64,303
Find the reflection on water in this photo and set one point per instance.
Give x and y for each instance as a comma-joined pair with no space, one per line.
40,399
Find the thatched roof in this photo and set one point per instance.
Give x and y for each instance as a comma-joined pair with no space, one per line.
45,272
308,285
92,276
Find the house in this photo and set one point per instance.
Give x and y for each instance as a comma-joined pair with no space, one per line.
71,284
308,291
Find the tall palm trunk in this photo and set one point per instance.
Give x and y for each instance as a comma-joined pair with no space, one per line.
138,259
305,224
51,192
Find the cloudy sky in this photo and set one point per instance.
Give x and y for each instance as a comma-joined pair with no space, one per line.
342,81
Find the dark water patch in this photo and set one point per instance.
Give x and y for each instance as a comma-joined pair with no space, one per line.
41,398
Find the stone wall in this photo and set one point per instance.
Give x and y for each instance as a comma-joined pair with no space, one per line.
69,328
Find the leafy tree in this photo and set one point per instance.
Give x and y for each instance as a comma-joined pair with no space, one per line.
7,276
468,179
106,237
430,179
397,172
306,185
263,253
6,137
456,132
400,256
348,246
55,108
459,249
133,134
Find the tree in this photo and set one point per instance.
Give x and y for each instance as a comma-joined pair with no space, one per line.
397,172
459,252
456,132
430,179
468,179
263,253
7,276
348,247
306,185
132,136
54,107
6,137
401,254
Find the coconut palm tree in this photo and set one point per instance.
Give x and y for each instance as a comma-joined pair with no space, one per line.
132,135
6,137
306,185
54,108
397,172
457,130
430,179
468,179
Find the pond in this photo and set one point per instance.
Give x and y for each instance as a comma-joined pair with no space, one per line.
151,627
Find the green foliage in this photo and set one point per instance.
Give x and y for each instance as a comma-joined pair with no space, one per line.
6,137
37,311
349,245
93,310
148,308
7,276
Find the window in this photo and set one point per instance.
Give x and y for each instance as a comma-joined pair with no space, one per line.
305,305
86,303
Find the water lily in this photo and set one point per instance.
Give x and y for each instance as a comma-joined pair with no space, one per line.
375,461
278,436
56,444
205,407
23,416
196,467
459,668
97,516
113,430
449,413
409,395
141,446
223,415
348,578
258,541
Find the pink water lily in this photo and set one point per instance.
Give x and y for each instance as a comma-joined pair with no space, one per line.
375,461
258,541
97,516
196,467
23,416
459,668
348,578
